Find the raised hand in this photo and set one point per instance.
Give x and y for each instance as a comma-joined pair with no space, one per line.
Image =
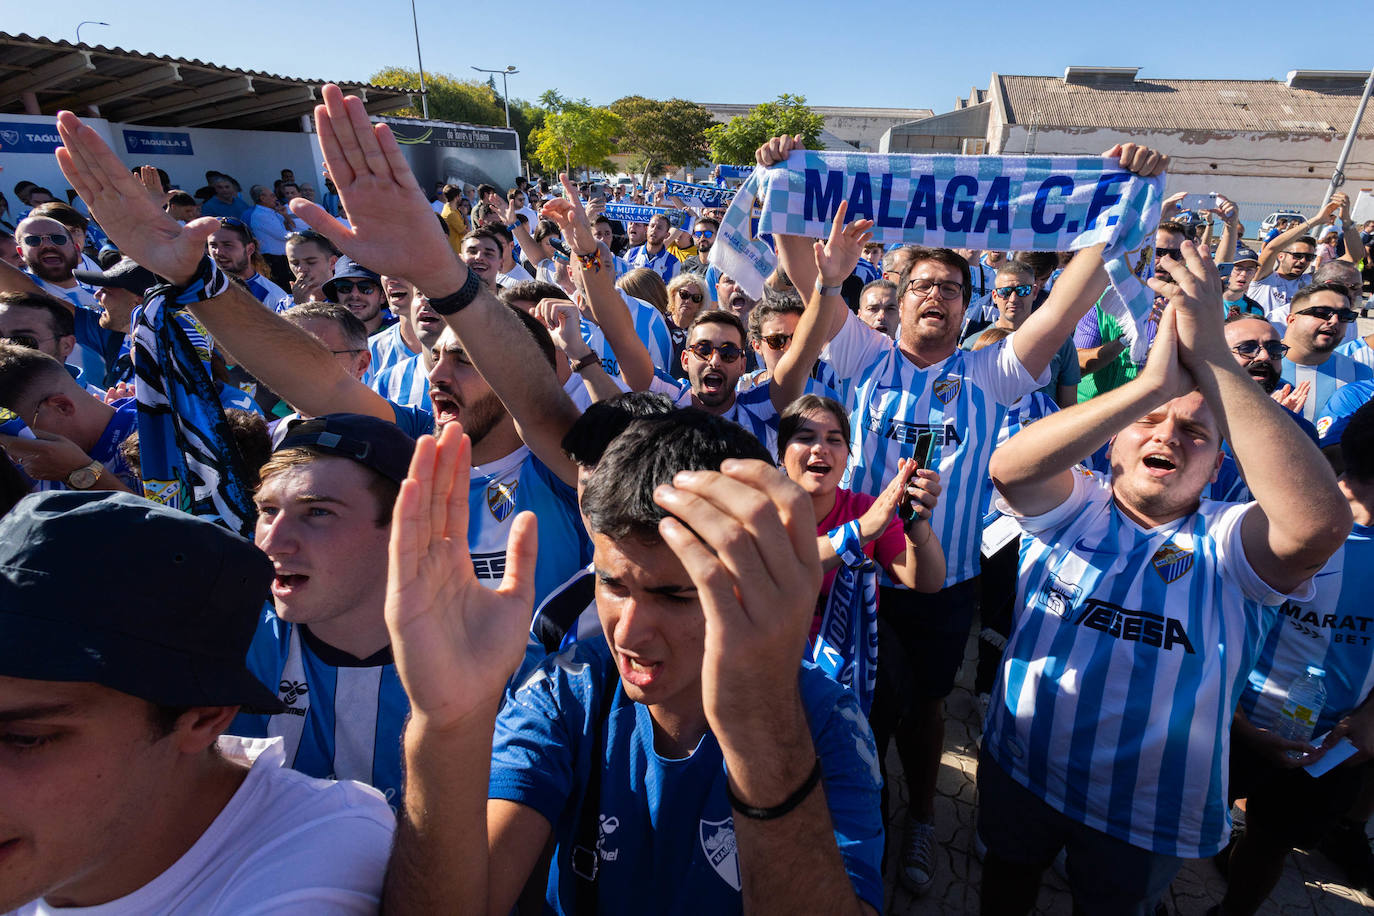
456,642
837,255
571,218
1170,206
1142,161
1163,370
138,226
778,149
879,515
747,538
1295,399
393,230
564,322
1194,293
1225,209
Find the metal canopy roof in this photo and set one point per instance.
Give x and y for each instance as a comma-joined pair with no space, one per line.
152,89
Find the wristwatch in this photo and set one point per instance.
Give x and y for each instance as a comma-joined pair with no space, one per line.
585,361
828,290
84,477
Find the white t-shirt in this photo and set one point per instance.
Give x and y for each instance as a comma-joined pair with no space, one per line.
285,843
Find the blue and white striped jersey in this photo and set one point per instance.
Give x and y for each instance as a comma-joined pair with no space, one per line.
1358,350
957,404
664,263
405,383
268,293
1340,407
87,356
649,327
1334,631
342,721
1326,379
753,409
388,348
1031,407
1127,656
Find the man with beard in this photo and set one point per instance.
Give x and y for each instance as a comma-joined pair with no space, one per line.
232,247
704,236
1317,320
654,253
922,389
1260,353
1013,291
360,291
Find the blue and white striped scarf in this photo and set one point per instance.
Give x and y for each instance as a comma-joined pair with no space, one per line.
188,456
708,196
734,171
846,646
994,203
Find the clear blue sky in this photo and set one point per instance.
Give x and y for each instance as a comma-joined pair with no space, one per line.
881,54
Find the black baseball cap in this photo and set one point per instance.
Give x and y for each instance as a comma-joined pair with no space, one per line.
375,444
345,268
170,623
126,273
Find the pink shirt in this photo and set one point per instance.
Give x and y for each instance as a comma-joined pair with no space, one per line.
888,546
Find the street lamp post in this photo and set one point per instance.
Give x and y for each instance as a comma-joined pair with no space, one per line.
424,96
86,22
505,92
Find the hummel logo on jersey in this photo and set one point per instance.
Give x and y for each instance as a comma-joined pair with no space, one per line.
947,389
288,691
1135,626
1171,562
501,499
898,431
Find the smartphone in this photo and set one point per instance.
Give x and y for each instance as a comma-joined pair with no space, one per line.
1198,201
925,444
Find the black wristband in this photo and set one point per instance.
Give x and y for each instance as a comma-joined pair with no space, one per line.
456,302
777,811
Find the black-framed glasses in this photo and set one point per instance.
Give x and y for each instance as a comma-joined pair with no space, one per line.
1273,349
776,341
1175,253
1327,312
60,239
24,340
691,297
945,289
1021,289
703,349
344,287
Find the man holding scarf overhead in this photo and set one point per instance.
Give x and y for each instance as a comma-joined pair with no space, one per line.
920,393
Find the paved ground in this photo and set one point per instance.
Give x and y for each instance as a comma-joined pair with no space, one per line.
1310,885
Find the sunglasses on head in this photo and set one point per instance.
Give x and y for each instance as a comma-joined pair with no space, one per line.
1021,289
691,297
344,287
704,348
1274,349
57,238
1326,312
776,341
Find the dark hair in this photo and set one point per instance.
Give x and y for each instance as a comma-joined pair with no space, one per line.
946,256
1304,240
544,229
530,291
65,214
241,229
451,191
483,190
506,237
486,232
538,331
1311,289
319,238
592,433
63,324
162,720
181,199
1177,227
1041,263
23,369
1357,445
618,501
706,219
719,316
790,420
249,431
771,308
354,331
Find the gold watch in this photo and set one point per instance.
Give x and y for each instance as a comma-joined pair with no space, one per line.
84,477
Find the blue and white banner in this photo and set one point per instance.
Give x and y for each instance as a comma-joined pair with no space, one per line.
994,203
23,137
635,213
734,171
709,196
158,142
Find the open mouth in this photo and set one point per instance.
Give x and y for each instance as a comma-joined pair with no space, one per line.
446,407
739,301
284,585
638,672
1159,465
819,468
934,313
712,381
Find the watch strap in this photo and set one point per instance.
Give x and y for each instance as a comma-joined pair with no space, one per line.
828,290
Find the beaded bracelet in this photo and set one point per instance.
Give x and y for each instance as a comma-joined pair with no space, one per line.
591,261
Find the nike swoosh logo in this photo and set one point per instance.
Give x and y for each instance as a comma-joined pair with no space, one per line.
1081,546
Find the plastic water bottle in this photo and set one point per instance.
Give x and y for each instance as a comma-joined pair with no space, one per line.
1306,697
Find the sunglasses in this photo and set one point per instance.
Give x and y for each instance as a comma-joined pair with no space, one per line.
691,297
1301,255
1175,253
57,238
776,341
344,287
1274,349
704,348
1022,289
1326,313
947,289
704,234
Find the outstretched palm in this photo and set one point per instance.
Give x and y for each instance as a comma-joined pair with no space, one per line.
455,641
121,205
837,256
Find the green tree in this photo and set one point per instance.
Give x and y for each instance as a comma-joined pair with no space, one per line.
464,101
735,142
578,135
662,134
